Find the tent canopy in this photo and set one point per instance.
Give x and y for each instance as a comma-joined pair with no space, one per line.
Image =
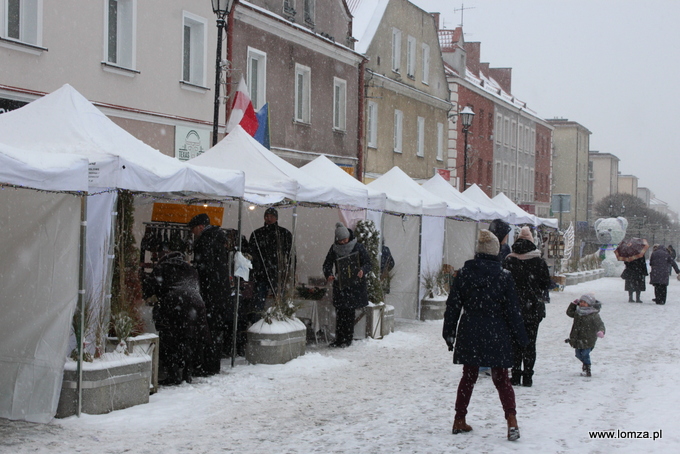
69,123
335,176
406,196
39,170
478,196
517,215
265,183
458,204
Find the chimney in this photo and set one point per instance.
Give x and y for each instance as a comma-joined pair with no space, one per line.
484,67
436,19
504,78
473,51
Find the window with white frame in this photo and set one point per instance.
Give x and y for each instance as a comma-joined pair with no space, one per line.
309,11
257,77
499,128
440,141
194,30
302,93
398,130
22,21
420,137
121,18
426,63
498,177
411,57
372,124
339,104
396,50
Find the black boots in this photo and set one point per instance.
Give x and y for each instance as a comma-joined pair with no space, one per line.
586,371
515,378
527,379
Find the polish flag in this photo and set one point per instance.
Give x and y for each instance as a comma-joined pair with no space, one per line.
242,111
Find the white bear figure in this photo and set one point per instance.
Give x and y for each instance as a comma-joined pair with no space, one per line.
610,232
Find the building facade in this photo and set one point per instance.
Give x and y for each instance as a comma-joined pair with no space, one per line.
604,178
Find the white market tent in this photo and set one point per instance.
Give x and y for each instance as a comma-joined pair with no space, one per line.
417,213
458,204
65,122
40,220
517,215
478,196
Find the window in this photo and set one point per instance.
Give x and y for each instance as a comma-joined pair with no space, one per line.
440,141
257,77
120,33
194,49
372,124
499,128
498,177
420,138
309,12
398,130
411,57
396,50
302,93
22,21
339,104
426,64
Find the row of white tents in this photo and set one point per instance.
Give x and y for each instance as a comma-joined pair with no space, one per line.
62,162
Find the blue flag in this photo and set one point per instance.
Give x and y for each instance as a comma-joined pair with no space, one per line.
262,133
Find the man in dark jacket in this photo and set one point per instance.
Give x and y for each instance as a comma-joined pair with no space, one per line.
501,229
179,316
270,246
346,298
532,280
211,260
661,262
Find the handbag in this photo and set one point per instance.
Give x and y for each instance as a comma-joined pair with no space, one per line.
626,274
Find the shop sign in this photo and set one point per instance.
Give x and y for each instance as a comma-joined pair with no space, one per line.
190,142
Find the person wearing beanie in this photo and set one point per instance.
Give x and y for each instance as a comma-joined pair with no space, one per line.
350,291
270,247
586,329
501,229
481,322
532,279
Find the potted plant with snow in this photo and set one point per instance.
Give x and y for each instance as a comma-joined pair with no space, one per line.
433,305
368,235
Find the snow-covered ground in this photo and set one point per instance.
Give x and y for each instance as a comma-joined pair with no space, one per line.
397,395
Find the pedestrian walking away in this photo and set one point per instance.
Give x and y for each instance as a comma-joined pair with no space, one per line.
661,263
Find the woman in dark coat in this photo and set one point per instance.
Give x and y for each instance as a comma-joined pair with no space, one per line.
634,274
348,298
490,322
532,280
661,262
179,316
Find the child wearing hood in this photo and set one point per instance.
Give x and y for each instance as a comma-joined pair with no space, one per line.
585,330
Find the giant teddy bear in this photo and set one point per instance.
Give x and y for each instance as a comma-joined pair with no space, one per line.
610,232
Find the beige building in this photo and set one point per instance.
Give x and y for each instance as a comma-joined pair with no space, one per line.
406,105
148,65
571,143
604,178
628,184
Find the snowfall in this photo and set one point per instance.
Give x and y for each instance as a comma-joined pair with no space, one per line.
397,394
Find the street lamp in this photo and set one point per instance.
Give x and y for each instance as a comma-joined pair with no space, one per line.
466,116
221,8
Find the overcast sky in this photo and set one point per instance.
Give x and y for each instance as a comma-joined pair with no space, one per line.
611,65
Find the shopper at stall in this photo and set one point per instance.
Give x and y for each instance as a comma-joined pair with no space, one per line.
347,264
482,320
211,260
270,247
179,316
532,280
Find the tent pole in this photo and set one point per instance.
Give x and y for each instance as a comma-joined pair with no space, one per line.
238,289
420,251
81,297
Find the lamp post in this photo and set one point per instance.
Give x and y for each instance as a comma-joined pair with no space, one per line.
466,116
221,8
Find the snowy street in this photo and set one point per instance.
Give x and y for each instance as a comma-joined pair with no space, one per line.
397,395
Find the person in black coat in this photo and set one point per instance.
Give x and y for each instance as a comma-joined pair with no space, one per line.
634,275
179,316
270,246
532,280
661,263
501,229
483,335
211,259
346,298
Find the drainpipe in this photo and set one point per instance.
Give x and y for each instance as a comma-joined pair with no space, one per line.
360,121
230,51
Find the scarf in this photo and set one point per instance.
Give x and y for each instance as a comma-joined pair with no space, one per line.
586,310
342,250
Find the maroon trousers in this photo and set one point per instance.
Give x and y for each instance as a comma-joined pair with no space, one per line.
500,378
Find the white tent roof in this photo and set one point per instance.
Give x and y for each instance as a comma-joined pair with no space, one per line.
478,196
265,182
518,215
65,122
458,204
39,170
406,196
332,174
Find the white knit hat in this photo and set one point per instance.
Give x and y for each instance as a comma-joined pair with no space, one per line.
487,243
525,234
